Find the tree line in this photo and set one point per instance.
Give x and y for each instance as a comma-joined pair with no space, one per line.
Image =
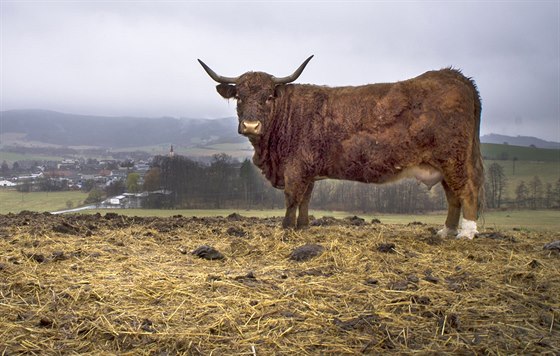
531,194
227,183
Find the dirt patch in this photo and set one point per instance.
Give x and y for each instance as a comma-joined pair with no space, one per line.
112,284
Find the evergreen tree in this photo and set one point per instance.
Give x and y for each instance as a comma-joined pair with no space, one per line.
5,170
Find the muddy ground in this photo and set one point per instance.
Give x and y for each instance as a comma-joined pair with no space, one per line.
236,285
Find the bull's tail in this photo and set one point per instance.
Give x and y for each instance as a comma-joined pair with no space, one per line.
476,154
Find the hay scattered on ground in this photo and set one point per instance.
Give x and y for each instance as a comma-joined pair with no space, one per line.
131,285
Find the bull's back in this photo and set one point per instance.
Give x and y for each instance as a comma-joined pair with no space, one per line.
387,128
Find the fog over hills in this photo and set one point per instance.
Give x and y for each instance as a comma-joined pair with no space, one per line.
50,127
116,132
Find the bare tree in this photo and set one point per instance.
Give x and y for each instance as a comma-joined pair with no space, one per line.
521,194
535,192
496,185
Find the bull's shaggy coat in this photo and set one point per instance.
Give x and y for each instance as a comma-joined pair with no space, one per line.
426,127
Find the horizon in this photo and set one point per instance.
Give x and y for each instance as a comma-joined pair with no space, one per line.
223,118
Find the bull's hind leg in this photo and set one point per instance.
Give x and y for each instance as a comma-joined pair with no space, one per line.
469,202
453,212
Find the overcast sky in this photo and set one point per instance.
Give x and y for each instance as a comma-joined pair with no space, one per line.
138,58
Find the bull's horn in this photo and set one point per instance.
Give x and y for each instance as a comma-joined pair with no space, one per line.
216,77
294,76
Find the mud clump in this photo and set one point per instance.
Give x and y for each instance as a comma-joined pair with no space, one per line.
208,253
234,217
355,220
325,221
66,228
553,246
387,247
236,231
306,252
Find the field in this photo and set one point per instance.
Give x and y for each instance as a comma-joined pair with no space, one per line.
535,220
12,201
114,284
548,172
507,152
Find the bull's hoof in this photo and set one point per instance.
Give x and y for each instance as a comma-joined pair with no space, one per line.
468,230
302,225
467,234
445,232
288,224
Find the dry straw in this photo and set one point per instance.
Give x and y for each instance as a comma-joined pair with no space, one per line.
115,284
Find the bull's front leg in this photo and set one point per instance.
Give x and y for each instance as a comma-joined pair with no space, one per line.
303,216
295,188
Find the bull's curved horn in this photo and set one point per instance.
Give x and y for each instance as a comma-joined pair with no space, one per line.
217,77
294,75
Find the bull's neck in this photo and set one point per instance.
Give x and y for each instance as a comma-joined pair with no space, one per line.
256,142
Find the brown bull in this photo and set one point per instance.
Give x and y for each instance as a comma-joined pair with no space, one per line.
426,127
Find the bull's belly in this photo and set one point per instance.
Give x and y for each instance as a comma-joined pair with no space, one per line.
424,173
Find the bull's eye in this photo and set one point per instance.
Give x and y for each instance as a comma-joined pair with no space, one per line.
270,99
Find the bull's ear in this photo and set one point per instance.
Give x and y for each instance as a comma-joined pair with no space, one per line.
228,91
279,90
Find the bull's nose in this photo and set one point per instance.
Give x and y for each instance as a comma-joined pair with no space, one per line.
247,127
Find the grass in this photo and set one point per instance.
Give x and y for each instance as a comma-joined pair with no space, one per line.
11,157
12,201
534,220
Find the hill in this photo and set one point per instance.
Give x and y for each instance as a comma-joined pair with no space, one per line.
503,152
525,141
54,128
190,136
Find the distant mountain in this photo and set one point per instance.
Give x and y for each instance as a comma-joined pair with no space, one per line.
115,132
50,127
525,141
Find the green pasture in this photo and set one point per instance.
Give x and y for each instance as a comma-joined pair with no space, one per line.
11,157
519,153
12,201
548,172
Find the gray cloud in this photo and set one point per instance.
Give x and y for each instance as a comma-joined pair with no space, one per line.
139,58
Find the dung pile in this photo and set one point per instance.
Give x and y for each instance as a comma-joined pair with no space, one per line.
117,284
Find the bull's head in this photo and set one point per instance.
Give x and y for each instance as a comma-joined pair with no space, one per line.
255,93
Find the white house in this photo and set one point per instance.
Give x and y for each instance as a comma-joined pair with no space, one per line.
118,200
7,183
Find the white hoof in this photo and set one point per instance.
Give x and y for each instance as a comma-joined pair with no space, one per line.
468,230
445,232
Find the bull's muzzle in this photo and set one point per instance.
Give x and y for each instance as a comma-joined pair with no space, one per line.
250,128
